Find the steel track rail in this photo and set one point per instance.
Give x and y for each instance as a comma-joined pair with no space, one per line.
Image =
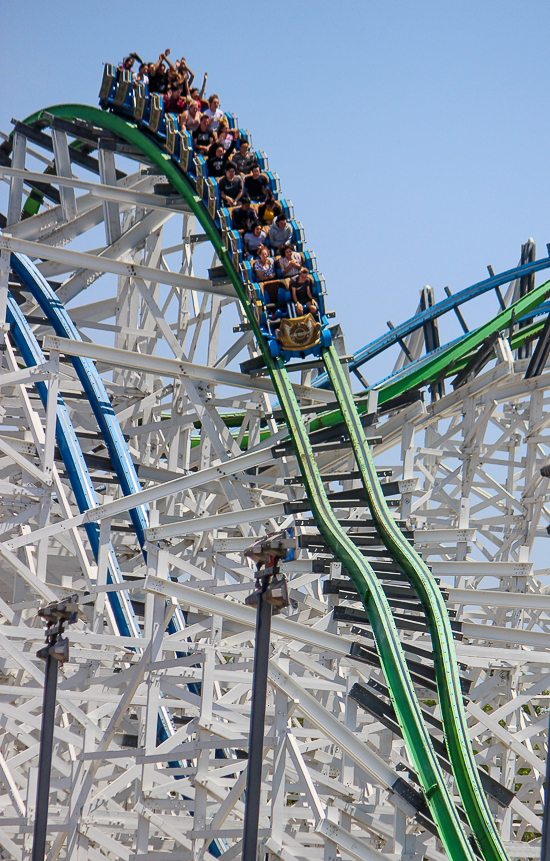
383,626
446,361
392,657
452,302
77,471
92,383
123,615
455,724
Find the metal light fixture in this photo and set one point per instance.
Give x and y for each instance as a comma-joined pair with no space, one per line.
55,652
271,592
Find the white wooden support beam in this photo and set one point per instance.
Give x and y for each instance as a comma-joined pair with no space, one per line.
498,598
481,569
13,791
198,525
15,202
102,568
278,777
160,823
63,168
208,603
327,723
28,575
24,463
349,843
102,191
299,764
143,497
293,631
11,848
174,367
158,317
83,260
111,212
505,736
498,634
51,418
121,249
278,851
32,374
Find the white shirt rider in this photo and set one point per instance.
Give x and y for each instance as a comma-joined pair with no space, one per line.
214,113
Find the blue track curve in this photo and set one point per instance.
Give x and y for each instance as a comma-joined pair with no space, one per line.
63,326
388,339
75,465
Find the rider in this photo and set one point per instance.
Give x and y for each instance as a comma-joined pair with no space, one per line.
256,184
203,137
290,261
128,63
280,233
244,159
214,112
230,186
269,209
157,74
300,291
217,159
244,216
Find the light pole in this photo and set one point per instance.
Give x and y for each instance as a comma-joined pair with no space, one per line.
544,841
56,651
271,593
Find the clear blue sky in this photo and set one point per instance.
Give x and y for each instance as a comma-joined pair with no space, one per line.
411,135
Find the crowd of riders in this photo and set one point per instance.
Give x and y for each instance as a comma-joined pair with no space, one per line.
243,189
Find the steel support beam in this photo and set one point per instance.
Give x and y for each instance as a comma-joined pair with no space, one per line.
82,260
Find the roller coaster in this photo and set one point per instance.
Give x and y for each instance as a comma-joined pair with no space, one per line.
408,679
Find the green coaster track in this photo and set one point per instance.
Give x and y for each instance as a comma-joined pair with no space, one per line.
417,739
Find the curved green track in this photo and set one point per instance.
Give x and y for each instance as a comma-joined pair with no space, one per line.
421,579
385,632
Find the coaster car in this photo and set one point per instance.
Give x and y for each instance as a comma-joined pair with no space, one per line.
287,335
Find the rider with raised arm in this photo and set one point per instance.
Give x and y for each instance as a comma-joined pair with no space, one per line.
157,74
128,63
187,75
217,159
